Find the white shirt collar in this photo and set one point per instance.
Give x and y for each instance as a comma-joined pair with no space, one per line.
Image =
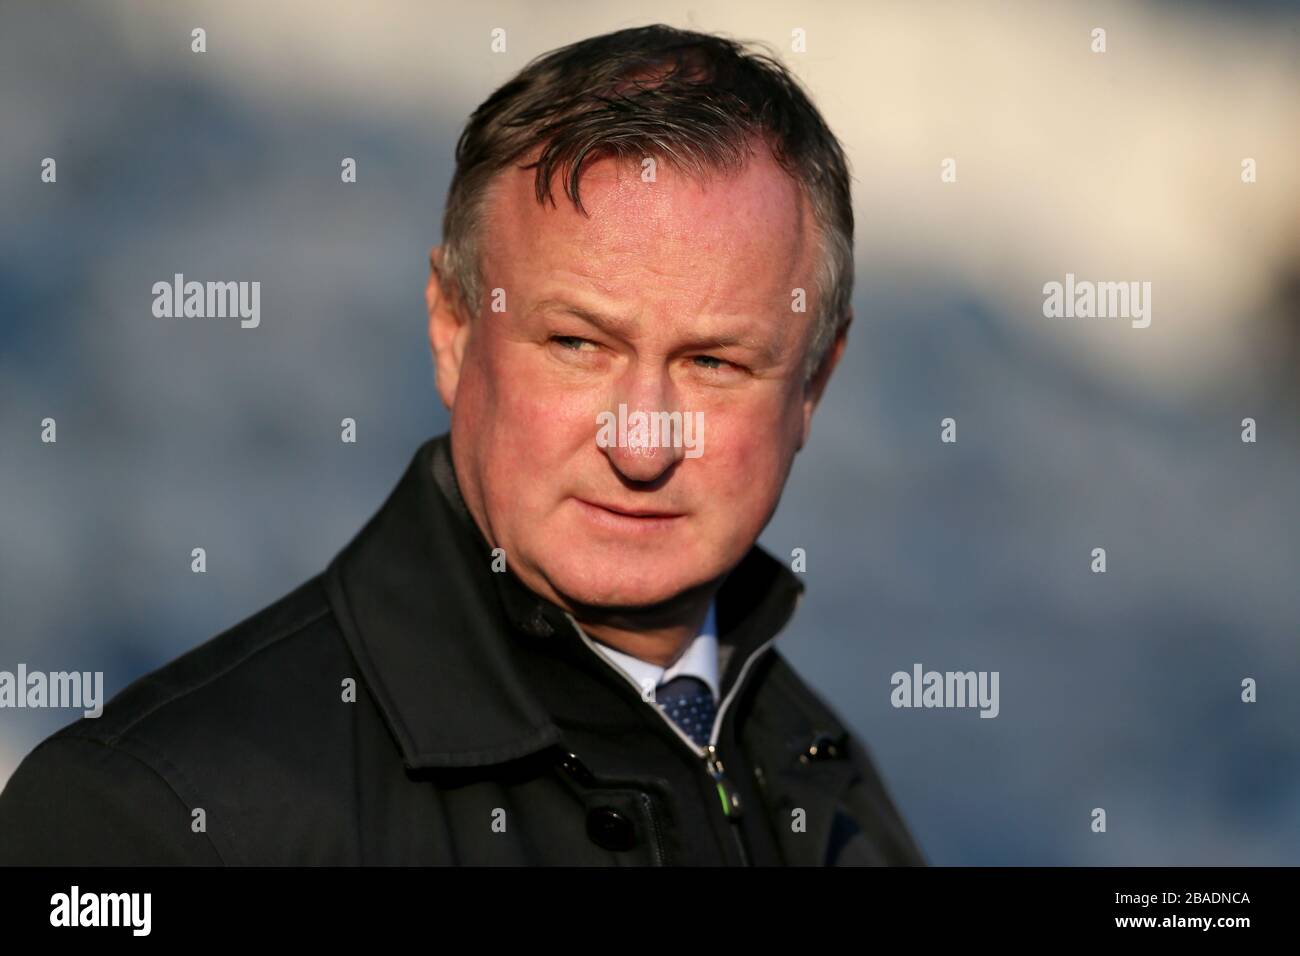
699,660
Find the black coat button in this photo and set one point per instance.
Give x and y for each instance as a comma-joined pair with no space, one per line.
610,829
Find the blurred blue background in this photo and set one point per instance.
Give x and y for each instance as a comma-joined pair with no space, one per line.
1118,690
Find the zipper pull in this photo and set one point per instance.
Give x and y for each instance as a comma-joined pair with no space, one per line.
726,792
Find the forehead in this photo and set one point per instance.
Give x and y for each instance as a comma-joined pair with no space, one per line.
728,242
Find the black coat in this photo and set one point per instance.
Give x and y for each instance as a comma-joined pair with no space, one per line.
484,729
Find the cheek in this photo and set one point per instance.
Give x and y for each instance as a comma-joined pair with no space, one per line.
748,453
536,425
757,460
543,421
504,395
767,429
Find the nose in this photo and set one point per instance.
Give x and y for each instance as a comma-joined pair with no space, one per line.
643,458
646,437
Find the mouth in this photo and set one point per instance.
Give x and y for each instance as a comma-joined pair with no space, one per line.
628,517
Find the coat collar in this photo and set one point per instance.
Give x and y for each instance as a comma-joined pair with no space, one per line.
429,623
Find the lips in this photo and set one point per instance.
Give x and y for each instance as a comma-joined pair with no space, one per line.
631,511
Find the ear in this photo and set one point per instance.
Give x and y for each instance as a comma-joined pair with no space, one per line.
817,384
448,328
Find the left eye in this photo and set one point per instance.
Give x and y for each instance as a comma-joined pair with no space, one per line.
711,361
571,342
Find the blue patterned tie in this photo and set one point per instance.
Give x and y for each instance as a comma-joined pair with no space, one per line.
688,702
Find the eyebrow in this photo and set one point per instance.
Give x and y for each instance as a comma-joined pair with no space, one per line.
620,328
608,324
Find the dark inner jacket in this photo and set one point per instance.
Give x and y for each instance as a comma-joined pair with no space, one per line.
412,706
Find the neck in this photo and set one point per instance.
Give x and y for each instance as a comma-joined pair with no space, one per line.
659,635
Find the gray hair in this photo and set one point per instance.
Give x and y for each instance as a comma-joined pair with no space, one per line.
694,99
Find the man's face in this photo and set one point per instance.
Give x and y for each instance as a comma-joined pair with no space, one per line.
672,297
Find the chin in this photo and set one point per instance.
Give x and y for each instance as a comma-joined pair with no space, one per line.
605,584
